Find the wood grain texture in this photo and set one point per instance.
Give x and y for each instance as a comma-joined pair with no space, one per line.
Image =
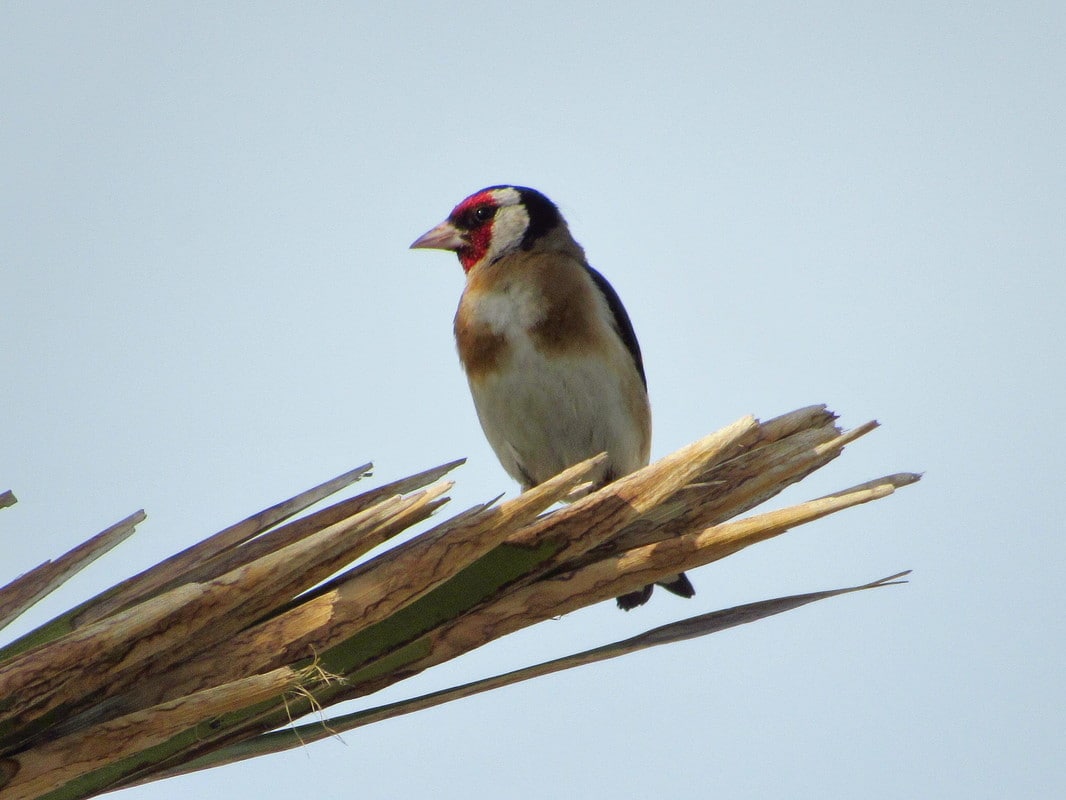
27,589
203,653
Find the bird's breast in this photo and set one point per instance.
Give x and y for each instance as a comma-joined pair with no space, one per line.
490,324
546,303
551,379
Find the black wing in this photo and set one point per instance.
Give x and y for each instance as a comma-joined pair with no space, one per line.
621,320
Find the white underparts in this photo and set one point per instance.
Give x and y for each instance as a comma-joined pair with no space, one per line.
543,414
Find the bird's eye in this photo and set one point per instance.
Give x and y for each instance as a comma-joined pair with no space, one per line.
484,213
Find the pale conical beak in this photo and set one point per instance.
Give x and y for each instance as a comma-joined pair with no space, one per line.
444,237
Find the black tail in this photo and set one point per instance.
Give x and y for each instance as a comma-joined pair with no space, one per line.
678,584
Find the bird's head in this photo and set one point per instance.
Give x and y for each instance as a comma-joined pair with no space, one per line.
493,223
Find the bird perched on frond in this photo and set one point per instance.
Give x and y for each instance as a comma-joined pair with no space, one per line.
550,354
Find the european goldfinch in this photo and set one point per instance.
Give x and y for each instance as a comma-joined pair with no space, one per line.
548,349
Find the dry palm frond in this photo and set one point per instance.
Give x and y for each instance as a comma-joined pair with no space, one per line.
209,656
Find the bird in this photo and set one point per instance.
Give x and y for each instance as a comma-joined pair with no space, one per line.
549,352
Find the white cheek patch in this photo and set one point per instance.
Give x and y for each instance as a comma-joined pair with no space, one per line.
508,228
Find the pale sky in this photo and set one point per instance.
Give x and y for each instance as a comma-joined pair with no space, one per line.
210,305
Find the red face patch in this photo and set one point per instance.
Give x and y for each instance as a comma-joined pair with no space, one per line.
474,217
472,202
